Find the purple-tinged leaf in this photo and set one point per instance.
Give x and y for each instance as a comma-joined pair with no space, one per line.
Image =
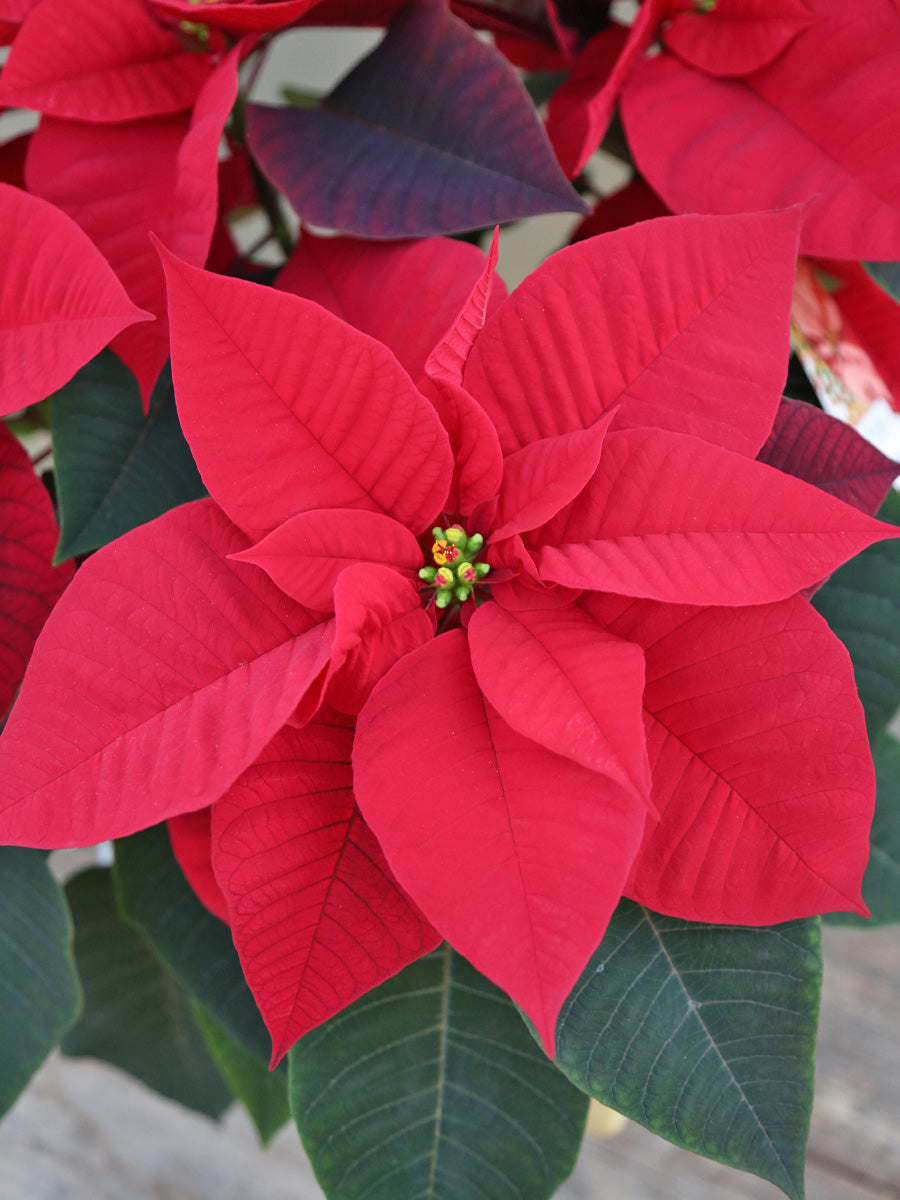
432,133
829,454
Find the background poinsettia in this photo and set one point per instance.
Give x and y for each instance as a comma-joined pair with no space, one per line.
741,110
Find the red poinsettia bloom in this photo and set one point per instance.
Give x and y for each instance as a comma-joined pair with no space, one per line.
472,658
740,109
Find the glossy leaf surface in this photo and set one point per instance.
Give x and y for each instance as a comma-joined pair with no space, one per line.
400,1094
135,1015
40,997
432,133
115,467
705,1034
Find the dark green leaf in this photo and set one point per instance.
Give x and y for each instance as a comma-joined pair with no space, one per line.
430,1085
116,468
262,1092
881,885
39,993
541,85
705,1034
861,603
135,1014
154,895
886,275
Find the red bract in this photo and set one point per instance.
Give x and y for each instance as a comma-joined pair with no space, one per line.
99,62
785,133
60,302
29,583
89,171
755,104
593,675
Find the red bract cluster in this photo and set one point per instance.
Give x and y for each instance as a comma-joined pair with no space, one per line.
480,629
753,104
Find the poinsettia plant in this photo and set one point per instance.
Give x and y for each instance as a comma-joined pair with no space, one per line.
460,675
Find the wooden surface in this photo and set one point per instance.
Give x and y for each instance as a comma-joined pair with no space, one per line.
84,1132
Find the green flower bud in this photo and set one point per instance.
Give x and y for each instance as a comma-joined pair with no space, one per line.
427,573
